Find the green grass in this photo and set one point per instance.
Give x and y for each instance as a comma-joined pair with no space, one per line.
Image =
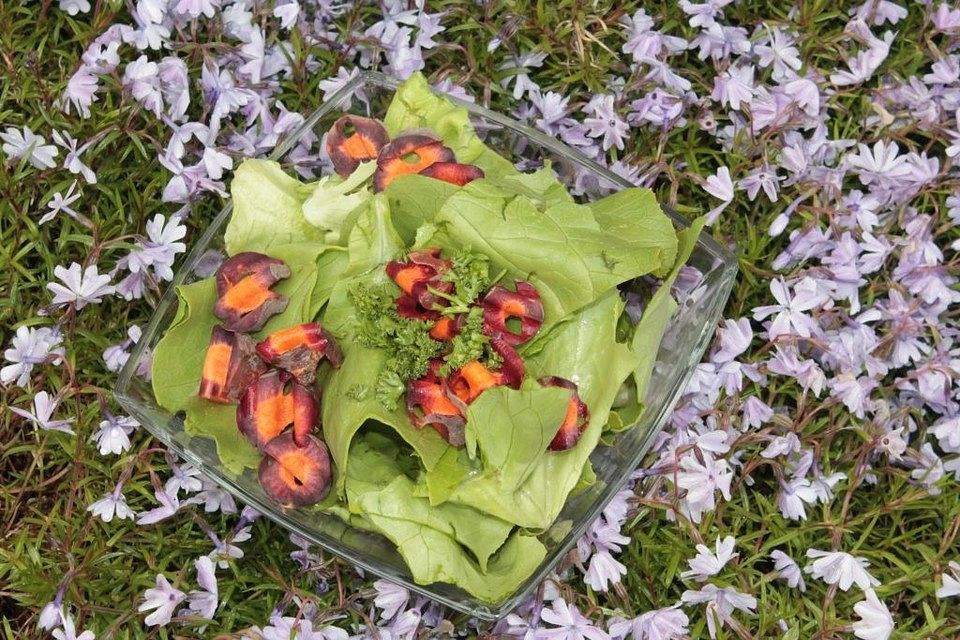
47,480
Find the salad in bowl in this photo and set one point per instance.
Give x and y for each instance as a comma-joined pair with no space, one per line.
427,344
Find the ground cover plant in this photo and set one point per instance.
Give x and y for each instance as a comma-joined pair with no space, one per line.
806,484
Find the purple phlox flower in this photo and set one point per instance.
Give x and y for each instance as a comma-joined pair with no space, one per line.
162,599
73,7
186,182
804,93
946,18
181,134
755,412
81,286
152,21
52,613
428,26
643,41
669,623
453,88
69,630
788,569
569,624
892,443
619,506
237,20
391,599
929,469
840,568
786,362
864,64
159,249
603,571
553,109
858,209
114,434
662,74
951,581
660,109
168,506
776,47
947,431
395,15
24,143
520,79
225,550
43,407
289,628
186,478
853,391
799,463
174,87
287,13
60,202
254,54
196,8
720,42
604,122
734,87
782,446
721,603
213,498
141,78
115,356
702,480
72,162
945,70
204,602
80,92
794,496
112,505
720,186
875,622
791,317
734,338
730,376
875,251
770,109
707,563
762,177
876,12
807,243
28,347
404,57
220,90
703,15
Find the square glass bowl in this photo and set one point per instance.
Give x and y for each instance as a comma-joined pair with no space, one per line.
702,291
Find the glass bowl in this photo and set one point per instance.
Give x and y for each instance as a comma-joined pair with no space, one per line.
701,294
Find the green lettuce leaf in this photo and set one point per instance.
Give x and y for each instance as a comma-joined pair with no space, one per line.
562,250
267,209
512,428
634,214
656,318
414,201
416,106
333,205
434,540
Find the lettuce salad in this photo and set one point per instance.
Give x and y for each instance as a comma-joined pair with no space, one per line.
462,483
